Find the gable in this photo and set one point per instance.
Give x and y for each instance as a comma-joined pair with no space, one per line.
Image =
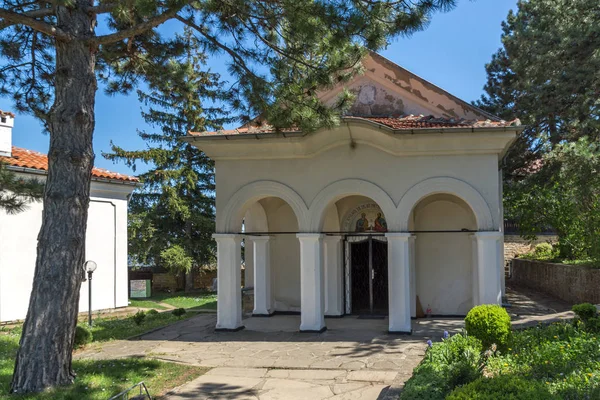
386,89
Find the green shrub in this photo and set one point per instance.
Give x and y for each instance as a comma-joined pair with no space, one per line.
592,325
151,312
178,312
543,251
490,324
502,387
83,335
585,311
446,365
139,317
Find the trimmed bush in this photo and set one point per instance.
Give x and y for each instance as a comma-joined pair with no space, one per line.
151,312
490,324
83,335
502,387
178,312
139,317
585,311
592,325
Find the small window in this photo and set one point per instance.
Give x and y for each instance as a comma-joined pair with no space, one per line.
3,119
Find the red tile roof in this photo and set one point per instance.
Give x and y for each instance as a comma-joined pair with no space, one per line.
406,122
4,113
34,160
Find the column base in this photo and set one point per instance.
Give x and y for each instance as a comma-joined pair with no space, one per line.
335,316
239,328
261,315
323,329
400,332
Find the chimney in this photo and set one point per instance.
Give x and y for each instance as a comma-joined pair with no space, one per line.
7,121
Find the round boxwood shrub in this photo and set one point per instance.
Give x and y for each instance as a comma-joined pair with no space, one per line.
151,312
178,312
543,250
139,317
490,324
83,335
503,387
585,311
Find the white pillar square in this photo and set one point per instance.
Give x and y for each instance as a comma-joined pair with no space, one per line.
332,256
263,300
312,304
399,282
489,281
229,274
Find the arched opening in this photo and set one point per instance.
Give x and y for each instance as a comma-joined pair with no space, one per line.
364,268
443,276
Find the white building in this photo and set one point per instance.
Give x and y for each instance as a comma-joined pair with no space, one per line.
396,210
106,241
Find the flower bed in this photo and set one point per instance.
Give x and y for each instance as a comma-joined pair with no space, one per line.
558,361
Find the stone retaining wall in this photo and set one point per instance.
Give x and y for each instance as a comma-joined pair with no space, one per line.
570,283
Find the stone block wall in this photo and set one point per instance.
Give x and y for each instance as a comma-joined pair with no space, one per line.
204,279
165,282
570,283
515,245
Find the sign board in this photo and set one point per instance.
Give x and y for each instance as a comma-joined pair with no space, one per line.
140,288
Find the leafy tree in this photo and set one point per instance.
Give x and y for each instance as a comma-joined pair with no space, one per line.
175,207
16,193
176,260
546,74
280,52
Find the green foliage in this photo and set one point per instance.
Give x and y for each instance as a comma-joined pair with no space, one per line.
585,311
543,251
83,335
151,312
139,317
453,362
490,324
502,388
178,312
545,75
175,260
16,193
592,325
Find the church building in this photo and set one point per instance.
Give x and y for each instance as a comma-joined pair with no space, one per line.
396,212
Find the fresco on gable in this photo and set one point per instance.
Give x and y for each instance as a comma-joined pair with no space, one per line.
367,218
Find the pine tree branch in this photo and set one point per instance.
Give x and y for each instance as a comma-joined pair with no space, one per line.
12,18
137,29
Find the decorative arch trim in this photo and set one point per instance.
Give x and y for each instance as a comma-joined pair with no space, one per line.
350,187
447,185
236,207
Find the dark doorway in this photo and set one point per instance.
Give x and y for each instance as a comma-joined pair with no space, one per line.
368,260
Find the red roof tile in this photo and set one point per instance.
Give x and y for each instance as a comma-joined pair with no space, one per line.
34,160
4,113
407,122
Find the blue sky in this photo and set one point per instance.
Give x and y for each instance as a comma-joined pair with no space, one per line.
451,53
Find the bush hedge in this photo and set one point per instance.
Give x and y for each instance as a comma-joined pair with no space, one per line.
490,324
585,311
502,388
83,335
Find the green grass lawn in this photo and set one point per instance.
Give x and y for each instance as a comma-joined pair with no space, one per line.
99,379
115,328
189,301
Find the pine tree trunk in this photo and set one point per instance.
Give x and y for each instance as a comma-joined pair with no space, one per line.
45,352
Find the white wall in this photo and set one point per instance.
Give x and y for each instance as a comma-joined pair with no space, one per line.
395,175
443,262
104,244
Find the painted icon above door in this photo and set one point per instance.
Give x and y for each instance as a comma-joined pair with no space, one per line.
367,217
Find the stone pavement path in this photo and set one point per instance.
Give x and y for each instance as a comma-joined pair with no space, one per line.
270,359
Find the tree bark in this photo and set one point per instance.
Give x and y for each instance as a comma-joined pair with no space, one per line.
45,350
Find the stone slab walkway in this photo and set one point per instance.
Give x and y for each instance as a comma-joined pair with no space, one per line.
354,359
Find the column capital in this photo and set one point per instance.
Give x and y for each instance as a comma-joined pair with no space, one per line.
309,236
258,238
488,235
332,238
404,236
225,236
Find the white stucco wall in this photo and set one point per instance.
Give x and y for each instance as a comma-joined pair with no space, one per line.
443,261
106,243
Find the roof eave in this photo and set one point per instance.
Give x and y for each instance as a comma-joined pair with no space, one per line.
36,171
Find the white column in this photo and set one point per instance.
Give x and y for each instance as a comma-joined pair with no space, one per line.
263,301
332,256
413,278
229,291
399,282
475,272
488,278
312,304
249,262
